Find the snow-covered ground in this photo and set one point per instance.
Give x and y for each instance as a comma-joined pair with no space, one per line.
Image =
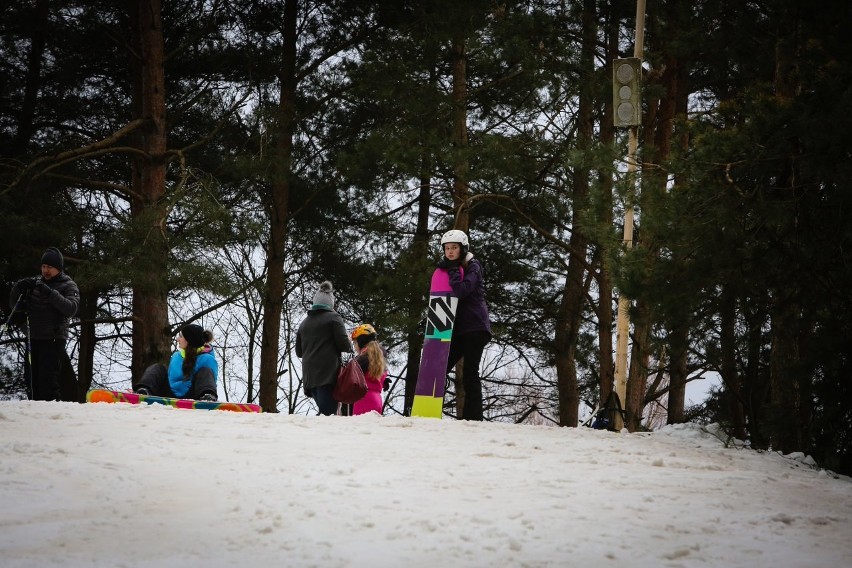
116,485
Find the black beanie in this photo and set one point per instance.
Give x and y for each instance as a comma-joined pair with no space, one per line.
52,257
194,335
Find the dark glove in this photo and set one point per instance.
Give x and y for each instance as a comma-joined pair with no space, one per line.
448,264
42,289
27,284
387,384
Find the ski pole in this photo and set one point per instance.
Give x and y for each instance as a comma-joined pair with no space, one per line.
11,315
29,364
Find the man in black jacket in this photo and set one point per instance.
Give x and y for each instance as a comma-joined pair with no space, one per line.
49,301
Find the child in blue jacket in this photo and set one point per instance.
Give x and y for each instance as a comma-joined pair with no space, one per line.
192,371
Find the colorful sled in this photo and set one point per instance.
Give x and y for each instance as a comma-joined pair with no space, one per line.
429,393
101,395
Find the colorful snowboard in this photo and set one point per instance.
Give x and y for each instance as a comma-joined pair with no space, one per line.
100,395
429,393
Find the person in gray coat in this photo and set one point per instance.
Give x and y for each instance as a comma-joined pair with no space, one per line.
49,301
320,340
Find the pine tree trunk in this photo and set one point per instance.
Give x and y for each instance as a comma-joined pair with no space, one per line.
419,287
461,169
756,379
151,333
32,84
570,315
279,214
605,296
678,351
680,325
658,125
605,314
461,166
788,432
637,377
733,390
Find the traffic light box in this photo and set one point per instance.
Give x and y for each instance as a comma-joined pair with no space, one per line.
626,91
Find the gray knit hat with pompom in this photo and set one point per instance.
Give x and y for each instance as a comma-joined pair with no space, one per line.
325,295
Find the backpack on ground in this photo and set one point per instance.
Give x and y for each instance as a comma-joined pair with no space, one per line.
611,416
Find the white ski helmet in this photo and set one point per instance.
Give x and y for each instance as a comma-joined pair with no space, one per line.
454,236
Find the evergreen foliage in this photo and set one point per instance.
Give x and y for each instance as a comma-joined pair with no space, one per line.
742,263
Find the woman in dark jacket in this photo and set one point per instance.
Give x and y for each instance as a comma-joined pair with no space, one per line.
320,340
472,327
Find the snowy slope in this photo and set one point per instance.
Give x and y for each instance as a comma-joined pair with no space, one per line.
119,485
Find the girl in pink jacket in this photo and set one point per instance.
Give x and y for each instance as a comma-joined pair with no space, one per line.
371,358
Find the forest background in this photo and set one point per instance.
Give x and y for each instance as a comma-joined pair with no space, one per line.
212,161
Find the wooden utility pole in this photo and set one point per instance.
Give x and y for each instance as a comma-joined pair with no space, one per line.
623,320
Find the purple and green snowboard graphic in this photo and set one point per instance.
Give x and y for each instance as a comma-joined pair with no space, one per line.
429,394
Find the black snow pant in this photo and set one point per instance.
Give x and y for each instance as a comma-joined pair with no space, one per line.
469,347
42,367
